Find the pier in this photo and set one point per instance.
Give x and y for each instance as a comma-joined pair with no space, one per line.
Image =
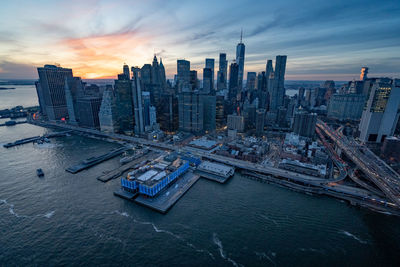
35,138
90,162
12,123
166,199
119,171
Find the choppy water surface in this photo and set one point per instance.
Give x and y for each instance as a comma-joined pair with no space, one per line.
66,219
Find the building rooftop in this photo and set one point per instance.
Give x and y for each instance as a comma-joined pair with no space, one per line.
216,168
203,143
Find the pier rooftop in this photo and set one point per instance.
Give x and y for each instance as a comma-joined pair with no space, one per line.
152,177
216,168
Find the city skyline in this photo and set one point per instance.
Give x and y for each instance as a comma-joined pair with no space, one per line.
324,41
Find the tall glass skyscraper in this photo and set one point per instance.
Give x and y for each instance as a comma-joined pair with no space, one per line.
240,50
222,76
210,62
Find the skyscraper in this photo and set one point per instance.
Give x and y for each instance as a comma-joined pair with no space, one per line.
88,109
251,80
207,81
240,50
183,76
209,115
190,112
277,88
193,80
106,119
137,102
381,113
51,91
364,74
233,81
210,62
304,123
126,72
222,76
123,105
146,108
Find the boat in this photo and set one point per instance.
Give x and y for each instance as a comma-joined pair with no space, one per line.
39,172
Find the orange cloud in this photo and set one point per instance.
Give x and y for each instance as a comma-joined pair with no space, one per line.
102,56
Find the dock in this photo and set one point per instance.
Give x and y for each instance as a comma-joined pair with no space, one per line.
212,177
36,138
125,194
90,162
168,197
12,123
119,171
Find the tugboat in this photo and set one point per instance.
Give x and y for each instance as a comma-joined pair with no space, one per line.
39,172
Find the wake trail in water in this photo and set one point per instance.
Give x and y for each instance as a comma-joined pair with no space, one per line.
47,215
158,230
222,252
321,251
353,236
263,255
269,219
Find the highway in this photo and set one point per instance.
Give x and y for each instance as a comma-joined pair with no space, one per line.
380,174
226,160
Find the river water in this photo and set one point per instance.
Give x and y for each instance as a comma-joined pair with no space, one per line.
67,219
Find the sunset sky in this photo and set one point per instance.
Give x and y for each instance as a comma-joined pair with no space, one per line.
322,39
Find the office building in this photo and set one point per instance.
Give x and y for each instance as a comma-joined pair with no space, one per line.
207,81
240,51
210,62
190,112
88,108
346,106
222,77
276,86
152,116
304,123
51,91
235,122
146,108
209,113
126,71
364,74
168,114
137,102
380,116
251,80
220,119
260,120
123,105
106,119
233,82
183,74
194,82
268,70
